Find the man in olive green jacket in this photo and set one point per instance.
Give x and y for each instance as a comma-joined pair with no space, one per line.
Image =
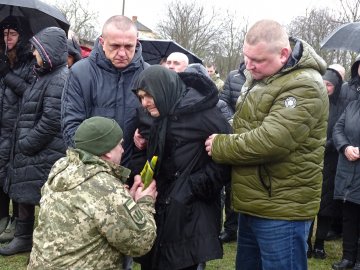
277,148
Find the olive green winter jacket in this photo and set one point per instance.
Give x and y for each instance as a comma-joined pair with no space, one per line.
278,143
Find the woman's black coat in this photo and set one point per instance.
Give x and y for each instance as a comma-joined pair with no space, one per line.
38,139
12,87
329,207
188,204
346,132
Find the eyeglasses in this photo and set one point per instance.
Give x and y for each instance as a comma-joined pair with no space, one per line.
32,48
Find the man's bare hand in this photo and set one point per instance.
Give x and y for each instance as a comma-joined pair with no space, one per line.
138,189
139,141
208,143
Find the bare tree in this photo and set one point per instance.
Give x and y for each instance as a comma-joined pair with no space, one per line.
350,10
209,33
227,52
191,26
314,27
82,19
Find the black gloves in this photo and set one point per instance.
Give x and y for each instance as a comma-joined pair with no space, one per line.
4,65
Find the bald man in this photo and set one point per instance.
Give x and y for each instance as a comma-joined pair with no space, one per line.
101,84
177,61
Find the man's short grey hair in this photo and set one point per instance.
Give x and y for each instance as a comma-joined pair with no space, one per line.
120,22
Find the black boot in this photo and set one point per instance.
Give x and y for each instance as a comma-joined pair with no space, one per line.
4,223
357,266
22,241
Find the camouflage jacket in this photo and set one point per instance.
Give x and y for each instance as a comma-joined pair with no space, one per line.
218,82
87,218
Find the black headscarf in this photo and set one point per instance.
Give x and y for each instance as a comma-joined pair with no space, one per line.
167,89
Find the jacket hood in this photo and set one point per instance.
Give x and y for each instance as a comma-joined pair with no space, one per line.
202,93
98,56
304,56
74,49
81,166
51,43
335,78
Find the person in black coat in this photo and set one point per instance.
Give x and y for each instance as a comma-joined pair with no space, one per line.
16,75
329,208
74,52
347,180
229,95
232,87
184,112
38,138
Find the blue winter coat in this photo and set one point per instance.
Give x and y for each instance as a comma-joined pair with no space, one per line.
96,88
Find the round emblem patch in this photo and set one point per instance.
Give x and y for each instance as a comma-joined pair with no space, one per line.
290,102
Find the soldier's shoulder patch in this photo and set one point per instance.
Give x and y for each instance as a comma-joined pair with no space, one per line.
290,102
135,212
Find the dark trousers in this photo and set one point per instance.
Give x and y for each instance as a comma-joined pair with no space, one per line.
5,204
351,231
26,212
231,217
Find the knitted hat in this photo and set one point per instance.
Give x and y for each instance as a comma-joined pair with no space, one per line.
98,135
10,22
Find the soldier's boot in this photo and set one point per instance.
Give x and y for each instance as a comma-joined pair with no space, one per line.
22,241
8,234
4,223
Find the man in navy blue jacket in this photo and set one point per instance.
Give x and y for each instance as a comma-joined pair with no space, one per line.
101,84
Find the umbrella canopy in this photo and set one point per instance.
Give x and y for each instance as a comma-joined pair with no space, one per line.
153,50
345,37
39,14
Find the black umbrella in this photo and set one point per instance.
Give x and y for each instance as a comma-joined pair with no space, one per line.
39,14
153,50
346,37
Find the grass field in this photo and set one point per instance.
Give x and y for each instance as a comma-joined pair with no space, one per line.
333,249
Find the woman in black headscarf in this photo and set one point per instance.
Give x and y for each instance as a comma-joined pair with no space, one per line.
184,113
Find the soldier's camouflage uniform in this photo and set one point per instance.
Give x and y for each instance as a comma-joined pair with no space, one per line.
87,219
218,82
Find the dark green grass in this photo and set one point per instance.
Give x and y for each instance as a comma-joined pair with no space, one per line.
332,248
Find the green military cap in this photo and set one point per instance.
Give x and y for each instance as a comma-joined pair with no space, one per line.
98,135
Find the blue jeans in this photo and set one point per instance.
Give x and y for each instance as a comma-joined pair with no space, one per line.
268,244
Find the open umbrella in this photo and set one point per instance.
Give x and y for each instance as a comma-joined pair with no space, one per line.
153,50
345,37
39,14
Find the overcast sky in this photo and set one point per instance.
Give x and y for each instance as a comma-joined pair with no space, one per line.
149,12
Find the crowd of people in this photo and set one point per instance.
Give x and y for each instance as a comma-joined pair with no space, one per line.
276,145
